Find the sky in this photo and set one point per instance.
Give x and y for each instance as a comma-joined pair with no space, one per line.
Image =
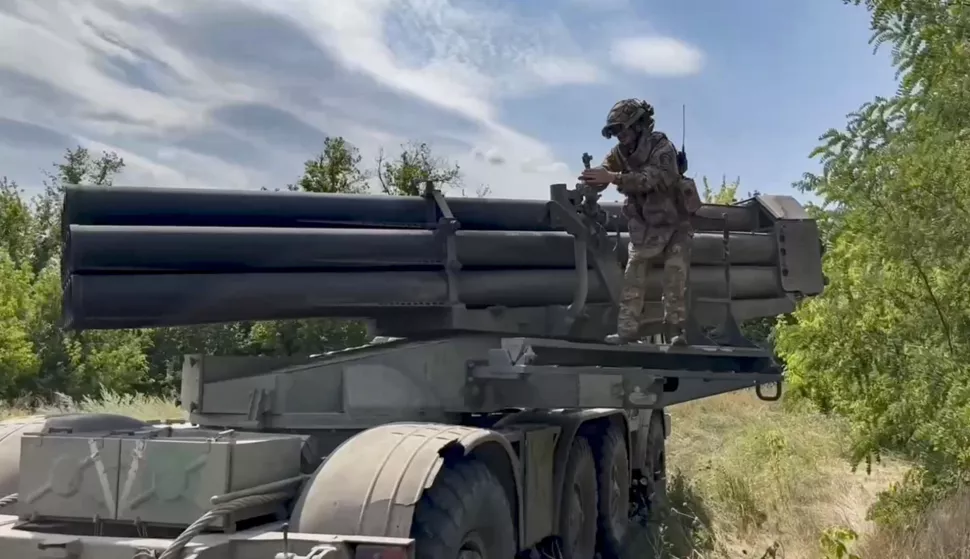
239,93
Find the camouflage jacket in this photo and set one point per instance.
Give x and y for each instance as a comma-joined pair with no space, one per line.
650,180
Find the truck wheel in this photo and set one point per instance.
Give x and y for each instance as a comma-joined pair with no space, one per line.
613,483
464,515
577,511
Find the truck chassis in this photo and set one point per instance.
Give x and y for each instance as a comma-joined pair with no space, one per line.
481,434
404,462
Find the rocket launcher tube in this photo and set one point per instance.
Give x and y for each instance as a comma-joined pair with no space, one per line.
149,300
212,207
165,249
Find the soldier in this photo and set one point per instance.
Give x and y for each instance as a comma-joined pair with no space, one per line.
644,167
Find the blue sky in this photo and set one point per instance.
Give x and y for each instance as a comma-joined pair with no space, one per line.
238,93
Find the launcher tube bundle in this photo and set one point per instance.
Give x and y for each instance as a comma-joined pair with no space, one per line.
147,257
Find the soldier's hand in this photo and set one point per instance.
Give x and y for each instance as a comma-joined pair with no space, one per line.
597,176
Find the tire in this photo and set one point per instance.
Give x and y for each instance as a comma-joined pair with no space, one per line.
466,509
577,510
613,487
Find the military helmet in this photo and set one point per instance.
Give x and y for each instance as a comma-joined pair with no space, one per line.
626,113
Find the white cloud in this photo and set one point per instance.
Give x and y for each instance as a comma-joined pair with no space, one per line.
240,92
462,59
61,46
175,167
657,56
493,155
67,50
563,71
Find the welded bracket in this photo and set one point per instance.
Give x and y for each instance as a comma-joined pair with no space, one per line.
446,226
577,212
728,332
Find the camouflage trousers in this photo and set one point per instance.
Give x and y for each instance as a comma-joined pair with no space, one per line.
675,256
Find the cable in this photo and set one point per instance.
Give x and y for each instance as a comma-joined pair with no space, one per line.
9,500
174,550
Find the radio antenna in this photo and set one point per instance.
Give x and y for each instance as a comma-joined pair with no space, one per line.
683,126
682,155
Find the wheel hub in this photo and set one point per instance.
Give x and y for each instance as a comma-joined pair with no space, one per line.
472,548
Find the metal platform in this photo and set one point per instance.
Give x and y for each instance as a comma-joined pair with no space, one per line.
441,378
633,376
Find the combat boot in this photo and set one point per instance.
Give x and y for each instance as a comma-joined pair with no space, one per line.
676,335
620,339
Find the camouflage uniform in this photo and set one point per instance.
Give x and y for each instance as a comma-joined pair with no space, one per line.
659,225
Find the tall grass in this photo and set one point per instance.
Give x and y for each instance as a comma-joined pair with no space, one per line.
146,408
752,479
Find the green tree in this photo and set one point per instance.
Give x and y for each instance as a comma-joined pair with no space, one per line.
75,364
167,347
17,357
886,345
727,193
16,223
415,165
335,170
309,336
77,167
37,357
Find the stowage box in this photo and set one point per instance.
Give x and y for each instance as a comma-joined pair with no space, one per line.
158,476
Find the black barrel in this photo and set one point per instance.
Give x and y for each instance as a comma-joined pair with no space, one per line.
149,300
216,207
166,249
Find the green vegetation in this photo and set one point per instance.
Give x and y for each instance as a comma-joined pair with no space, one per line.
884,351
756,479
887,345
